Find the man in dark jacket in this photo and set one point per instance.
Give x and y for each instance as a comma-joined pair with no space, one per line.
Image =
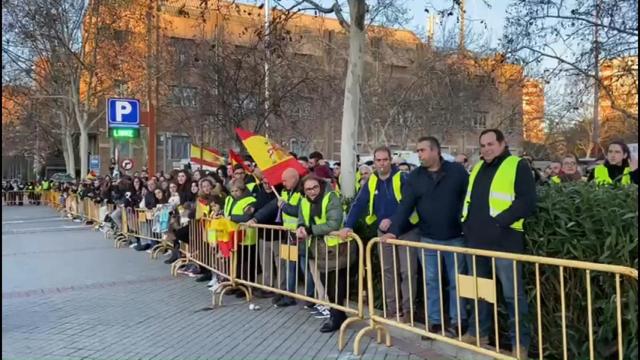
500,195
436,190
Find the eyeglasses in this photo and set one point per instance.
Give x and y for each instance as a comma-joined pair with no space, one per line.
569,163
238,173
313,188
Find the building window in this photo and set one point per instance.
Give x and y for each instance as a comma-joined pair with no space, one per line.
479,120
184,96
180,147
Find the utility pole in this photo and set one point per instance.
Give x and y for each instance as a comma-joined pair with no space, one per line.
461,35
430,29
596,88
267,42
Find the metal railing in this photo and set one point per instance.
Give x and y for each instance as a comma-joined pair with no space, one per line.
476,288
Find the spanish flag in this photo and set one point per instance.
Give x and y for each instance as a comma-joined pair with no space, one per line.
235,158
270,158
206,156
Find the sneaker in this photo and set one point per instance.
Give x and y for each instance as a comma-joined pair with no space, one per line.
132,245
204,277
148,251
213,283
76,220
324,314
140,247
317,309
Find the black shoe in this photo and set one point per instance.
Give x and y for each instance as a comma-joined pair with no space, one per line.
240,294
262,294
173,258
140,247
309,305
284,302
436,329
204,277
276,299
330,326
232,292
452,330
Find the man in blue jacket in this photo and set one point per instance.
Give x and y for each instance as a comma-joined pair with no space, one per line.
436,190
378,200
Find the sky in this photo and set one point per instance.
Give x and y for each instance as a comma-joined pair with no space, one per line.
476,10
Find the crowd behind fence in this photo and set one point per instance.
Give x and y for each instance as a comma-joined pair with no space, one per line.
343,274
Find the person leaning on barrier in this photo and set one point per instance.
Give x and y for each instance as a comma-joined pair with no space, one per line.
238,207
287,207
570,171
616,167
436,191
500,195
320,214
378,200
265,196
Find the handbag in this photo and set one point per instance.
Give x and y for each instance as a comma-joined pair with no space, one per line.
332,252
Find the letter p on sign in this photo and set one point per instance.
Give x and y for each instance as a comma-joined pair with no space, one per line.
122,108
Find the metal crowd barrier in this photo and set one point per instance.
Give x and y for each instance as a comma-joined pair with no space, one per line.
139,223
471,288
210,253
331,269
14,198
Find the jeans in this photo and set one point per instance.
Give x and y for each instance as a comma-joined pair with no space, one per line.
432,281
302,260
504,273
405,273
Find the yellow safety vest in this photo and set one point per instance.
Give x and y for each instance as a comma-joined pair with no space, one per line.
251,234
555,179
601,176
397,192
305,206
288,221
502,190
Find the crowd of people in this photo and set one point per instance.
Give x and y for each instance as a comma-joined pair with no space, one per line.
438,202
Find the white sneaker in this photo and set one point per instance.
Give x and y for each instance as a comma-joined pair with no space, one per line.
148,251
324,314
167,253
132,245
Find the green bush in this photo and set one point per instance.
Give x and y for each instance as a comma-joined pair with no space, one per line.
581,221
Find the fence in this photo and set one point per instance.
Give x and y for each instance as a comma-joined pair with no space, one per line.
478,287
22,197
560,309
330,268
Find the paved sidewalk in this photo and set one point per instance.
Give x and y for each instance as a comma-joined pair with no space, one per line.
68,294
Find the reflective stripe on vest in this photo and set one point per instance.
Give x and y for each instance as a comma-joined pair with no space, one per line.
288,221
555,180
397,192
251,234
501,192
251,186
601,176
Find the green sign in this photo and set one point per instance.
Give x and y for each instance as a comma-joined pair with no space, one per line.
124,133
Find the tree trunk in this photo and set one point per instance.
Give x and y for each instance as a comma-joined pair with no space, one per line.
351,107
84,147
67,145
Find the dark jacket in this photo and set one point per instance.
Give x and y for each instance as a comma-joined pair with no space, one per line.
437,197
268,214
384,203
482,231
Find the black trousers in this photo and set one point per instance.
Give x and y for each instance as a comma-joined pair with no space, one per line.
336,280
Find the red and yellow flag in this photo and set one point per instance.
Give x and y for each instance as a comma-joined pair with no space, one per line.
206,156
270,158
235,158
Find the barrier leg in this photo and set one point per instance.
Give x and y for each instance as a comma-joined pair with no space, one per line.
342,336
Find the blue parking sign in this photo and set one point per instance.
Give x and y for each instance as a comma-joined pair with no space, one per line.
123,112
